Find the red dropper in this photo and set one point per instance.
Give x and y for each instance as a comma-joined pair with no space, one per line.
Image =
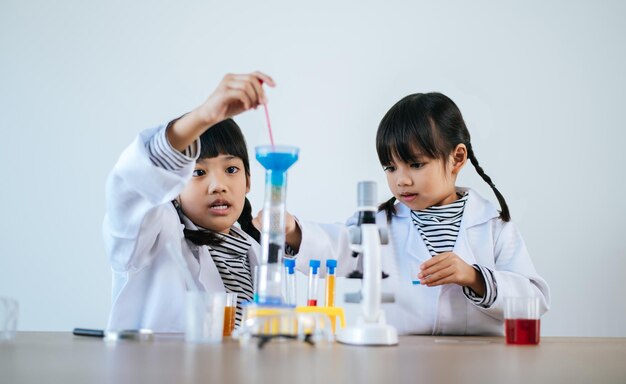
267,118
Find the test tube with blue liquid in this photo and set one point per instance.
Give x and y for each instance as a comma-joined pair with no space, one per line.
290,281
414,270
276,159
314,282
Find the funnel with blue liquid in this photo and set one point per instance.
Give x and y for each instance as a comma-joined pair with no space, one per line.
276,159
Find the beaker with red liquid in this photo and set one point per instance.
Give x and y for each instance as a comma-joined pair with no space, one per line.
522,323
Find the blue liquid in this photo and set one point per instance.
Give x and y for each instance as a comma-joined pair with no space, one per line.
269,300
277,160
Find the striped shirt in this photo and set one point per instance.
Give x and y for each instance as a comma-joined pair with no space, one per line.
439,228
163,155
231,260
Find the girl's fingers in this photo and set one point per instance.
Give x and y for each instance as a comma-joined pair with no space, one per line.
440,277
435,260
234,96
265,78
258,89
255,85
248,88
433,269
251,83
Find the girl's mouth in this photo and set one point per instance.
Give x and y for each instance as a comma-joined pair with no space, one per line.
219,207
408,197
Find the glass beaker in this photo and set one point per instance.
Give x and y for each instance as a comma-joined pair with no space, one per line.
276,159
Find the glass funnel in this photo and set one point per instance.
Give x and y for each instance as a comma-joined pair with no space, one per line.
276,160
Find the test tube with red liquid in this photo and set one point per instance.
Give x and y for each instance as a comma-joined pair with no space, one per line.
314,282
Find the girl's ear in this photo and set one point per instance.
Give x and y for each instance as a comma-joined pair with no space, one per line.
247,184
459,158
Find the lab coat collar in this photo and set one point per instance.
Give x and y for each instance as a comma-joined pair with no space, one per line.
478,210
208,275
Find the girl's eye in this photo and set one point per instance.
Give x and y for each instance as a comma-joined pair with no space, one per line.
198,172
232,169
389,168
417,165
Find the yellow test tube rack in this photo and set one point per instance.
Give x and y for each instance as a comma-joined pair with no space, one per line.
284,320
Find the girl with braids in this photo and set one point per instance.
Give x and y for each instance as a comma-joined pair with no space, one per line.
181,188
466,255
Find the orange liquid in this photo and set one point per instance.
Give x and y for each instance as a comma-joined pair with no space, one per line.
229,320
330,291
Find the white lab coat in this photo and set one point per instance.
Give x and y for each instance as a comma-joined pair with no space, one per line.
483,239
148,290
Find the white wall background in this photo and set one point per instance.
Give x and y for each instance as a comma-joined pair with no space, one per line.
542,86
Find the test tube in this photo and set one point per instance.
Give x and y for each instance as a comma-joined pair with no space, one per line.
314,280
331,264
290,281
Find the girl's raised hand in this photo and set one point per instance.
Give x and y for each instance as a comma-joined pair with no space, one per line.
449,268
233,95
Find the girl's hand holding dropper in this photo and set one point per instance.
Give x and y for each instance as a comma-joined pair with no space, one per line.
449,268
233,95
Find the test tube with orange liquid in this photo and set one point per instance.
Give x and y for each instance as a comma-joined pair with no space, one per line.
331,264
230,309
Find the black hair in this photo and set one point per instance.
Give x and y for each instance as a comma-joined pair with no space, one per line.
432,124
225,138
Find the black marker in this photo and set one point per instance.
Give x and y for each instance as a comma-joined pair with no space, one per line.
88,332
126,334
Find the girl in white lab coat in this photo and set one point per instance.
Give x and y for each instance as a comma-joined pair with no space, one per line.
466,255
182,188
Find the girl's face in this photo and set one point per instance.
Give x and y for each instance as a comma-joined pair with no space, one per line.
215,195
425,182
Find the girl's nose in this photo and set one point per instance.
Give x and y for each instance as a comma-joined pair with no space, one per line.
216,186
403,179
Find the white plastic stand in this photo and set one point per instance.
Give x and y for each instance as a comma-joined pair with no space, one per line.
371,327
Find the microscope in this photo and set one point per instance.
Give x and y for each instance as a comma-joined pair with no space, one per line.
366,239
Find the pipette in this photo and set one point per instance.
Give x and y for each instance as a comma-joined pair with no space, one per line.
331,264
267,119
313,283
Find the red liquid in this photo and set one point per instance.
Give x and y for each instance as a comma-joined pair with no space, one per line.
311,303
522,331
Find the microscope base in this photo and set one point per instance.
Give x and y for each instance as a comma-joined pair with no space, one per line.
368,334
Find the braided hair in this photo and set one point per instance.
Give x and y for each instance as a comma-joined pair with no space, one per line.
224,137
430,123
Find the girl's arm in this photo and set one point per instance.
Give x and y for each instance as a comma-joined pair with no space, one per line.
146,178
155,168
514,272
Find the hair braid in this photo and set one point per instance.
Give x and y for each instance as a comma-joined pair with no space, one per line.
388,207
504,214
245,221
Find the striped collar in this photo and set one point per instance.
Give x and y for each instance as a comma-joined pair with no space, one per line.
478,210
236,236
233,245
442,214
